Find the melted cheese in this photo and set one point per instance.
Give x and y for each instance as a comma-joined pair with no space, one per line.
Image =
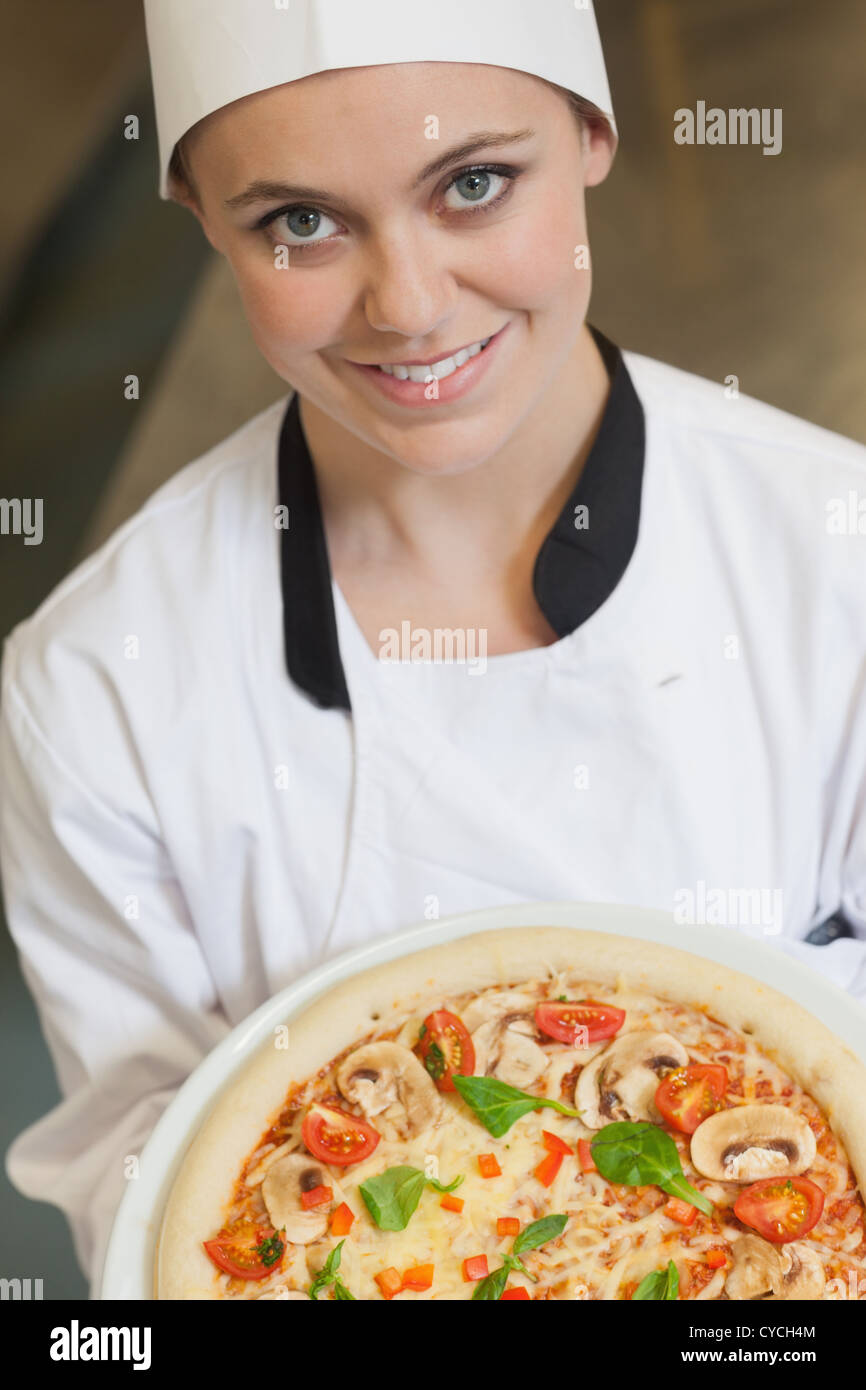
614,1236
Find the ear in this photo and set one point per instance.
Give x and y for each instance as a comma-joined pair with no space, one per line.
599,147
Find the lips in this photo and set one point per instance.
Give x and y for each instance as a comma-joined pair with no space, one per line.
441,368
471,348
452,377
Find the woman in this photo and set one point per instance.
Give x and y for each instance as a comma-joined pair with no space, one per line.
553,621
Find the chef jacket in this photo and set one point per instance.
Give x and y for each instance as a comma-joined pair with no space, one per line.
211,782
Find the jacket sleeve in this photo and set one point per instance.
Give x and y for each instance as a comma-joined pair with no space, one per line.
841,887
843,961
107,947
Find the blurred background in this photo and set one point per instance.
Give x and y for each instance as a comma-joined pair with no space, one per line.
720,260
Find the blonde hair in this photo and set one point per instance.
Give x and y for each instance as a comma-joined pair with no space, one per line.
584,112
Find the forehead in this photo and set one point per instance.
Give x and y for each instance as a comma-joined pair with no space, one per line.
344,109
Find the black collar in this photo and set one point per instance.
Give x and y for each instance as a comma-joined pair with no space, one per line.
576,568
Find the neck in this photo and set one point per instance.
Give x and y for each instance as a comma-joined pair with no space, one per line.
373,508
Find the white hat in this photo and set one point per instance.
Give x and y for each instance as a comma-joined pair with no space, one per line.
207,53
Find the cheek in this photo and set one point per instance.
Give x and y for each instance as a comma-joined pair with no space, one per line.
289,311
530,262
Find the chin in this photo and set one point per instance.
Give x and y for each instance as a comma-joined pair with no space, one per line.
454,439
446,458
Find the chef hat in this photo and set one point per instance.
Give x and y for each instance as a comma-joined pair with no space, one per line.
207,53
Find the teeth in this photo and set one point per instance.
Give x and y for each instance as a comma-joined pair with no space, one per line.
437,369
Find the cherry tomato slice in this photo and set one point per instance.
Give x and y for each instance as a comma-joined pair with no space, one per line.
689,1094
335,1136
780,1209
445,1048
566,1021
242,1257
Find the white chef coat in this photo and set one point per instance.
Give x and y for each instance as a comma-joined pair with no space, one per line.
210,782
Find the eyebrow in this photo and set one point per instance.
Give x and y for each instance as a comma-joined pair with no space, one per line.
263,190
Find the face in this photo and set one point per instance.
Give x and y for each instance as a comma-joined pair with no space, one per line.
353,252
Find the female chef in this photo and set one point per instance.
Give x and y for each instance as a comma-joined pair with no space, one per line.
485,610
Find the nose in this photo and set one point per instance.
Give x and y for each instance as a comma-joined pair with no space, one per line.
410,289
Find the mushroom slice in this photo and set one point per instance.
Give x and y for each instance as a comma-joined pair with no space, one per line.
756,1271
387,1079
503,1001
562,1063
505,1048
752,1141
282,1186
803,1274
764,1271
621,1082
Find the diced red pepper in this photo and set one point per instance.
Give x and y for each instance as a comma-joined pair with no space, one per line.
488,1166
316,1197
507,1226
342,1219
475,1268
554,1144
716,1257
390,1282
419,1277
451,1203
584,1153
512,1294
548,1168
680,1211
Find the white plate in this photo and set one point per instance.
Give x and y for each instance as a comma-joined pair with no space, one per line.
128,1269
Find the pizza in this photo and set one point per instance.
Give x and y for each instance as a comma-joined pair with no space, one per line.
531,1113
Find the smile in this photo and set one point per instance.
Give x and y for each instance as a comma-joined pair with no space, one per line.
412,383
444,367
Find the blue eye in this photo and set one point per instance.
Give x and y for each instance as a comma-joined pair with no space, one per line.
474,185
302,223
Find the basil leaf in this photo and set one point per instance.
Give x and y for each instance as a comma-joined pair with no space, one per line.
435,1061
661,1284
498,1105
635,1153
328,1273
341,1293
271,1250
444,1186
538,1233
493,1287
392,1197
515,1262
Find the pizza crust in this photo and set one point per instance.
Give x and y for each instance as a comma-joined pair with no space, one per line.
382,996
